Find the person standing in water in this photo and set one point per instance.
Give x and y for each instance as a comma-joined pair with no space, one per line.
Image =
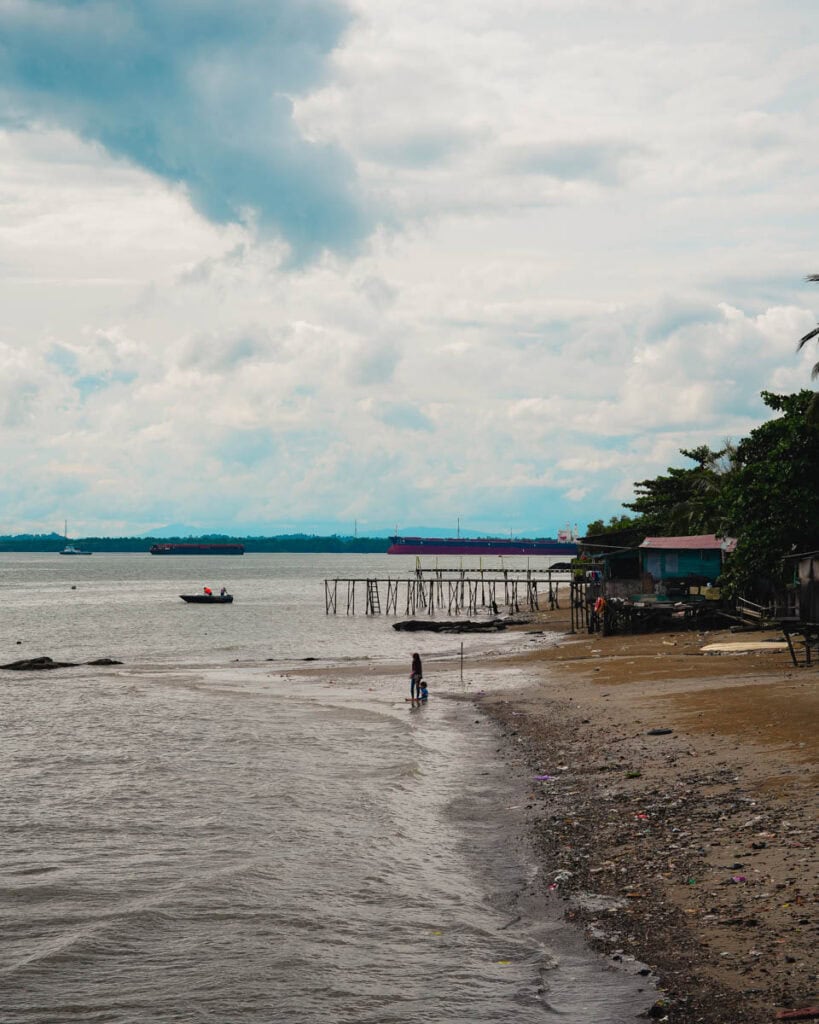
415,677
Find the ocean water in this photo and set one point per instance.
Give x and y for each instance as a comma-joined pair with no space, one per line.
127,606
205,833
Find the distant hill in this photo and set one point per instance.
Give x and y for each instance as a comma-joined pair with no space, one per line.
35,536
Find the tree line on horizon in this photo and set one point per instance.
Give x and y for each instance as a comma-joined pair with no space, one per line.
284,543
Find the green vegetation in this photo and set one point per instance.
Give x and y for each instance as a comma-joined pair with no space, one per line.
771,500
686,501
764,491
614,525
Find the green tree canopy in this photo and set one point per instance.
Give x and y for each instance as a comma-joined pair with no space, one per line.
771,500
764,491
685,501
615,525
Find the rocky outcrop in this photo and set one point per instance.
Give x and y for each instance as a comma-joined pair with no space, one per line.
44,664
432,626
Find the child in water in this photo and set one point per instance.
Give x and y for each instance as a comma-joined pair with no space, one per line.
423,693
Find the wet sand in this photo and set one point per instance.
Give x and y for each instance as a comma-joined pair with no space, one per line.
698,841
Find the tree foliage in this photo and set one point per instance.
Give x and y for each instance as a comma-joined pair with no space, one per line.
763,491
615,525
771,503
688,500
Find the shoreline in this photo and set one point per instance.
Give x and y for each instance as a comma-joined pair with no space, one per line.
691,849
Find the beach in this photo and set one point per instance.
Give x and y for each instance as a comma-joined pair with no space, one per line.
604,826
673,810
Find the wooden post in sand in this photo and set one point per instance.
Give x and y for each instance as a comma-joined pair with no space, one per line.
454,594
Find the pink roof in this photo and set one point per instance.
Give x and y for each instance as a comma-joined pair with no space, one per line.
702,542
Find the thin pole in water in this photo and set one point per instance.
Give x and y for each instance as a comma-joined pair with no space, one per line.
462,661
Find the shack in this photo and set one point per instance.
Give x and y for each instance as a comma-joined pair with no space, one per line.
806,620
616,552
808,575
693,560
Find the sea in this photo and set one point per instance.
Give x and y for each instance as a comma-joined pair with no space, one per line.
246,821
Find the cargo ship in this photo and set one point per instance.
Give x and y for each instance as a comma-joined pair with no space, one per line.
481,546
197,549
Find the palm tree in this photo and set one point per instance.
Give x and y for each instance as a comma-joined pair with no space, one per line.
813,408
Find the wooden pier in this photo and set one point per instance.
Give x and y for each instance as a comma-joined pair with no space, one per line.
448,591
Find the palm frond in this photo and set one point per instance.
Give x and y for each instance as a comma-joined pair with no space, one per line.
807,338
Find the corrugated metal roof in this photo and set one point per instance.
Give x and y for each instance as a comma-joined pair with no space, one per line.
702,542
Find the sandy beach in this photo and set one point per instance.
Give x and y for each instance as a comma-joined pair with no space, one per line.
673,808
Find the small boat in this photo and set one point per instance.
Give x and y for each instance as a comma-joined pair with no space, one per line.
207,598
69,549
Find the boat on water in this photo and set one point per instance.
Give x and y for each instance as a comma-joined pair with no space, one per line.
207,598
197,549
69,549
481,546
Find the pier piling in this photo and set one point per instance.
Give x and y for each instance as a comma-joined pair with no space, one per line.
457,591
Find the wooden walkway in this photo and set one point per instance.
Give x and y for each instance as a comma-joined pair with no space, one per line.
448,591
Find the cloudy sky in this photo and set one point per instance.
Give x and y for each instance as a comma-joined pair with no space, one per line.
291,264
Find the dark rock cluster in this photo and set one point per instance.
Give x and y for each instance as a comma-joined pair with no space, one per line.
44,664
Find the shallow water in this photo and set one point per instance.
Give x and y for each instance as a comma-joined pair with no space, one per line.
218,842
127,606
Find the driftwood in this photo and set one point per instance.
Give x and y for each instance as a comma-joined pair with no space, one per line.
431,626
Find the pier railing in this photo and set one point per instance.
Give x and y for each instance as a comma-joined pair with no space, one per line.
447,591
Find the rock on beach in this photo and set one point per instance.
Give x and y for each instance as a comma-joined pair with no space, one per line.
44,664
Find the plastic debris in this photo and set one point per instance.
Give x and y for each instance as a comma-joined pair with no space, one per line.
559,878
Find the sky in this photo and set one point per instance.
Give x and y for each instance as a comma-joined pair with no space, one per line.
310,265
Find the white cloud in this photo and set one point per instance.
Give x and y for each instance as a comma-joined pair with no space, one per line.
595,225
